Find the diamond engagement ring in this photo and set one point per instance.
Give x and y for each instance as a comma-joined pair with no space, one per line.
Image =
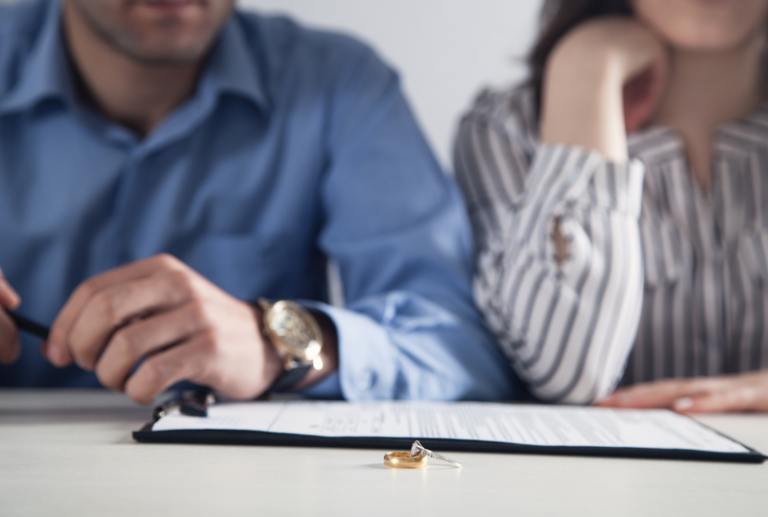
417,449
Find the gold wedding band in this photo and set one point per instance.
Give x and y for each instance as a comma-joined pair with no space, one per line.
404,460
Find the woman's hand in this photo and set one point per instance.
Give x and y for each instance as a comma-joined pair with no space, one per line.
9,338
747,392
603,79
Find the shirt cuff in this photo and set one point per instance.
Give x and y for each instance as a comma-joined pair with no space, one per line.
328,388
582,175
366,372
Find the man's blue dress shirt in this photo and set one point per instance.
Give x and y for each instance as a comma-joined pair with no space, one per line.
297,147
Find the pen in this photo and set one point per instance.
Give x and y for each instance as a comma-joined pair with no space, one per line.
28,326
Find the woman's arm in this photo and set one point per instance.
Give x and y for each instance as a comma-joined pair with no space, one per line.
566,317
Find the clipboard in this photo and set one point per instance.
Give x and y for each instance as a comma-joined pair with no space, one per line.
458,426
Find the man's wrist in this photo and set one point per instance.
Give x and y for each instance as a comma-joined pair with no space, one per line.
329,354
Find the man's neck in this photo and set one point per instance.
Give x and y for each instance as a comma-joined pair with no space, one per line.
706,90
133,94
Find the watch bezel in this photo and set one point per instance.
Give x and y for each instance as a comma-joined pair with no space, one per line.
290,354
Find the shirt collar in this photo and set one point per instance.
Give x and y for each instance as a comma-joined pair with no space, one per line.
47,72
231,68
745,135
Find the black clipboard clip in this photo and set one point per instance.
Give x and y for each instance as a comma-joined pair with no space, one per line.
189,403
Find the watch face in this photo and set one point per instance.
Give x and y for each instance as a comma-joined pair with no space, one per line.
296,329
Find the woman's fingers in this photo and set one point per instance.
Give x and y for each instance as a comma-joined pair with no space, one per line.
716,402
653,394
747,392
741,393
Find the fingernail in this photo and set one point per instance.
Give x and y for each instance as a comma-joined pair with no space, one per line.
15,298
55,355
15,295
683,403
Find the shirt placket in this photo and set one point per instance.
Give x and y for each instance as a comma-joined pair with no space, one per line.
709,284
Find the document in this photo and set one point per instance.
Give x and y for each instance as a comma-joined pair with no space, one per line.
527,425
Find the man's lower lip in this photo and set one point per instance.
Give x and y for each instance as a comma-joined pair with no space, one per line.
169,6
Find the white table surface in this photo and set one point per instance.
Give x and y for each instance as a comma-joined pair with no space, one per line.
71,453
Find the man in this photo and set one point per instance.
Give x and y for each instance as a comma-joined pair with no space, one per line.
179,161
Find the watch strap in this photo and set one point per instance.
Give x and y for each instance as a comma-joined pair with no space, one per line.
290,378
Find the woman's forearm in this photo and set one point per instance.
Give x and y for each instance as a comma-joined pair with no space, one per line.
582,104
583,100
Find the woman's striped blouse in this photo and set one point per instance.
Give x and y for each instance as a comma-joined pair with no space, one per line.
663,279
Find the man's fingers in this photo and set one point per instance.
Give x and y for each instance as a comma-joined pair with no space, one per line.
187,361
114,306
9,298
143,338
9,340
60,331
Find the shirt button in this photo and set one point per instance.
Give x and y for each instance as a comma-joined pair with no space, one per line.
365,379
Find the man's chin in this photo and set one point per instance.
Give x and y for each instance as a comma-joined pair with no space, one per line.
164,52
166,58
156,32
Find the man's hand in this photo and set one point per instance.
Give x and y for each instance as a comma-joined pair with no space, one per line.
748,392
180,325
602,80
9,336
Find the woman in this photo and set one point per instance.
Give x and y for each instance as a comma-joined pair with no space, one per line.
620,203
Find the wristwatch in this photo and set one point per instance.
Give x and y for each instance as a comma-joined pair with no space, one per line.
297,338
